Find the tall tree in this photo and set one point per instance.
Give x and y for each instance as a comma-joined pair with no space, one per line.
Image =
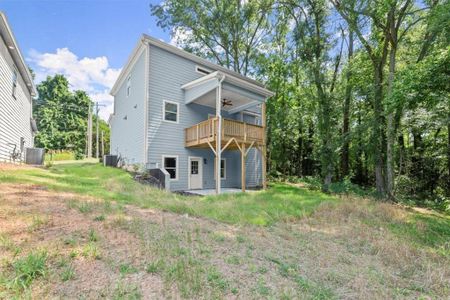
61,115
377,47
345,155
228,32
312,42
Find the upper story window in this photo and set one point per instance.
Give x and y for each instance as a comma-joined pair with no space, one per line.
170,111
128,85
202,70
14,83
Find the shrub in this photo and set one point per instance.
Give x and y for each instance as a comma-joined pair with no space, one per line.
79,155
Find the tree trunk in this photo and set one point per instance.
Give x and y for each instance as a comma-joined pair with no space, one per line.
390,130
448,154
378,134
346,114
299,166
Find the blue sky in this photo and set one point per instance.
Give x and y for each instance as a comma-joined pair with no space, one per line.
87,40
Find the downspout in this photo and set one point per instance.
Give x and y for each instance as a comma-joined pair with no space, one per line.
221,78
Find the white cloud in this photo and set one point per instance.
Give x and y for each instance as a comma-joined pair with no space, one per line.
107,102
93,75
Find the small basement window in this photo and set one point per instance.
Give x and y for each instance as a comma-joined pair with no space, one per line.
170,163
202,70
170,111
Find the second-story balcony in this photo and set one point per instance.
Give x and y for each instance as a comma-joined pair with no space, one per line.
204,134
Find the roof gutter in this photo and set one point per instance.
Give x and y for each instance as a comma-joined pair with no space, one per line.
13,48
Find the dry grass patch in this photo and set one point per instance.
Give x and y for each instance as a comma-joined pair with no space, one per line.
351,248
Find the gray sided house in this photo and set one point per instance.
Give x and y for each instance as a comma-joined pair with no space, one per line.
196,120
17,127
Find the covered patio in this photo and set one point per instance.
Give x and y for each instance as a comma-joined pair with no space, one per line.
229,94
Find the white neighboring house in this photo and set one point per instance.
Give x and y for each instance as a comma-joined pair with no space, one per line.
17,127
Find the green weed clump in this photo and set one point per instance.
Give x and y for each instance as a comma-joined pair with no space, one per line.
29,268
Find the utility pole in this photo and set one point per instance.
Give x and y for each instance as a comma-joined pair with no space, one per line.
96,134
103,145
85,143
89,133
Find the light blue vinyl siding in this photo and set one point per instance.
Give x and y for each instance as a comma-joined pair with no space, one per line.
15,112
127,136
168,72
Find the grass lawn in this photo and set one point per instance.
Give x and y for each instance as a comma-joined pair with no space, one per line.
80,230
280,202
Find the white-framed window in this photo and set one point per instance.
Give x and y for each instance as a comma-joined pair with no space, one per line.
170,163
223,169
14,82
128,85
203,71
170,111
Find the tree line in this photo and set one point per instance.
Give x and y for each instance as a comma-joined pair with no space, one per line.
361,87
62,118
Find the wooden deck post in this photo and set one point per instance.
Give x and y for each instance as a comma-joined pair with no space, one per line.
243,167
218,133
198,135
264,148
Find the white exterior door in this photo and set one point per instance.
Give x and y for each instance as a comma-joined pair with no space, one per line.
195,173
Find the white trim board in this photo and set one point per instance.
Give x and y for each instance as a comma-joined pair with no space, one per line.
164,111
132,59
13,48
201,61
177,167
236,78
146,78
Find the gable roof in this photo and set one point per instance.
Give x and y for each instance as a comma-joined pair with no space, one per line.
148,40
13,48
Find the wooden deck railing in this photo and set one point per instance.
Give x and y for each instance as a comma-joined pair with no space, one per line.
206,131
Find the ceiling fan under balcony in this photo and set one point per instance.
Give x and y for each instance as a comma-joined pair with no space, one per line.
226,102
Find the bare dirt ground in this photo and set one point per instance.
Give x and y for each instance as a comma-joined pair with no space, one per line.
119,251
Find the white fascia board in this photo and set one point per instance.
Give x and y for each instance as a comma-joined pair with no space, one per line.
199,81
243,107
12,46
249,86
132,59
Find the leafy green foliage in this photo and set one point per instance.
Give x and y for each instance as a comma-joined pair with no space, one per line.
62,117
228,32
29,268
391,96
